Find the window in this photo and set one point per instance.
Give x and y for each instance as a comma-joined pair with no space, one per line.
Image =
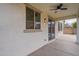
29,18
37,20
32,19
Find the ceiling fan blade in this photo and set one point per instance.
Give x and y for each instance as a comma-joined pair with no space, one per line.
53,9
63,8
59,6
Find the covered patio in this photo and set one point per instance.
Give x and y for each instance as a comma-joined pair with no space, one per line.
33,29
64,45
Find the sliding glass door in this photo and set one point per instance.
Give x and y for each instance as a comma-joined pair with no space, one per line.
51,29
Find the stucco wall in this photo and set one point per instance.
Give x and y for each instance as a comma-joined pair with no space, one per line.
13,40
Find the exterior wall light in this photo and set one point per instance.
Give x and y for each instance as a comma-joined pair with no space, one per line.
44,20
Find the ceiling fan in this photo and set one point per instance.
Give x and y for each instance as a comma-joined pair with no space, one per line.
59,7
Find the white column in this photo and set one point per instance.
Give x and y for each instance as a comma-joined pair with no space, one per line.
56,29
63,27
78,27
78,30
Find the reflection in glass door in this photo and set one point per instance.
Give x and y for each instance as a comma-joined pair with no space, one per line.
51,29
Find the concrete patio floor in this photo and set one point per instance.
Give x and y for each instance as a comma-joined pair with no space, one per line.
64,45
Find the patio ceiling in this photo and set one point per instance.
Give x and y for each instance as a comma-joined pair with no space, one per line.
72,9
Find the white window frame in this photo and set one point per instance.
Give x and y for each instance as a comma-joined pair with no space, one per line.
33,30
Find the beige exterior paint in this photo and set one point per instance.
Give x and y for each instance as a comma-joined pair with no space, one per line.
13,39
66,17
72,9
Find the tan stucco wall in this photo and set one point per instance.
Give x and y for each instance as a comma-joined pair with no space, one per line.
13,40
